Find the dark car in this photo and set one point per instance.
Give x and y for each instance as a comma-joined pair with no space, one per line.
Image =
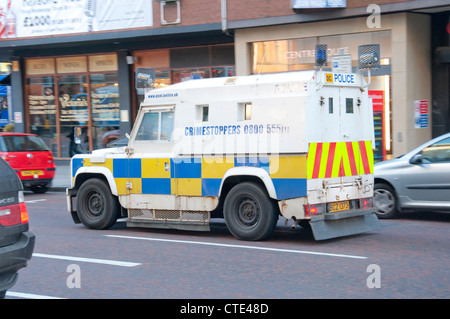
30,157
16,241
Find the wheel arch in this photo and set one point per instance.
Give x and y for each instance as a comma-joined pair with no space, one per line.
238,175
83,174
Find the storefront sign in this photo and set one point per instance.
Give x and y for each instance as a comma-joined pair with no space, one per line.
39,66
305,4
341,63
377,97
145,77
29,18
71,64
421,114
103,63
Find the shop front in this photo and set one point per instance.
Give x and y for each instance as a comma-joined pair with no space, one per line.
402,80
65,92
62,93
159,68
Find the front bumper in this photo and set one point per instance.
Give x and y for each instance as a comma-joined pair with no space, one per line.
14,257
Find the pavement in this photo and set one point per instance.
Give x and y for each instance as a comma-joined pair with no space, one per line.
61,181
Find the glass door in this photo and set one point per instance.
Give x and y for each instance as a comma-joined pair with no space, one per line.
73,111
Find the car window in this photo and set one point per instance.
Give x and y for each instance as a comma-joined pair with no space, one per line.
437,152
5,171
157,126
22,143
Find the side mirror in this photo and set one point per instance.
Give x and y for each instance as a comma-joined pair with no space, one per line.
416,159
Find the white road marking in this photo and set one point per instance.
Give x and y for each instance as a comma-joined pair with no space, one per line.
29,296
240,246
89,260
35,201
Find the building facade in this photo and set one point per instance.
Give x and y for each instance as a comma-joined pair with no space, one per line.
91,70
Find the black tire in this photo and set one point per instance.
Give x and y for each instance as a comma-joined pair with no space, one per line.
385,201
40,189
2,294
97,208
249,212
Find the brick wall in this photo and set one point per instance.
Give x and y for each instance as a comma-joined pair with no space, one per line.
209,11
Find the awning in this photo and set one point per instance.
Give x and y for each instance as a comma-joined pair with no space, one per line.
5,79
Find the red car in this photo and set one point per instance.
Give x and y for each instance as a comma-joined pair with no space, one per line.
30,157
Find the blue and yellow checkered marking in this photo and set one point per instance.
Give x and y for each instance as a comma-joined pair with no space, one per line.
199,176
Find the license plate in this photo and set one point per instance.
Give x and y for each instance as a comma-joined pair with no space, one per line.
339,206
33,172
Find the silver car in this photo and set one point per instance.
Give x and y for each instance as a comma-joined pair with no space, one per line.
418,180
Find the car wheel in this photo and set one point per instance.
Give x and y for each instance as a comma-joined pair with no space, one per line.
97,208
40,189
249,213
385,202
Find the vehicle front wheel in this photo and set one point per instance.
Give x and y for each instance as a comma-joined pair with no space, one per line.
384,201
249,212
97,208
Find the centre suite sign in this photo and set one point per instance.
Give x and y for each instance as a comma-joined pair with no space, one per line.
29,18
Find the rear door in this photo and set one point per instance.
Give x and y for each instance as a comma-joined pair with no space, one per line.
27,153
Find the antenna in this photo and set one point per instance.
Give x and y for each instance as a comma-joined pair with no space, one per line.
262,62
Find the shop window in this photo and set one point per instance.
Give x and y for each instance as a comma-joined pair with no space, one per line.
42,109
190,74
105,108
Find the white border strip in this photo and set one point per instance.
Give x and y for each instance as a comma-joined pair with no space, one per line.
29,296
240,246
89,260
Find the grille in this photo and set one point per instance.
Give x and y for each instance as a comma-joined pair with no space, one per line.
169,215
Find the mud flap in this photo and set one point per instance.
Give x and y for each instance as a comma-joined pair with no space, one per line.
343,224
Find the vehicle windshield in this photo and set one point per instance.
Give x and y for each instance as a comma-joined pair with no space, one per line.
22,143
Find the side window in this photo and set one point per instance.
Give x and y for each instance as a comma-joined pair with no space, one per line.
330,105
166,125
438,152
349,105
156,126
149,127
244,111
202,113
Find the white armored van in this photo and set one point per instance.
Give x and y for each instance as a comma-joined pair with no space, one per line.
249,149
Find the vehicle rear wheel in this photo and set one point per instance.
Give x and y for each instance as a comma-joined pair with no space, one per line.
97,208
41,189
384,201
249,212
